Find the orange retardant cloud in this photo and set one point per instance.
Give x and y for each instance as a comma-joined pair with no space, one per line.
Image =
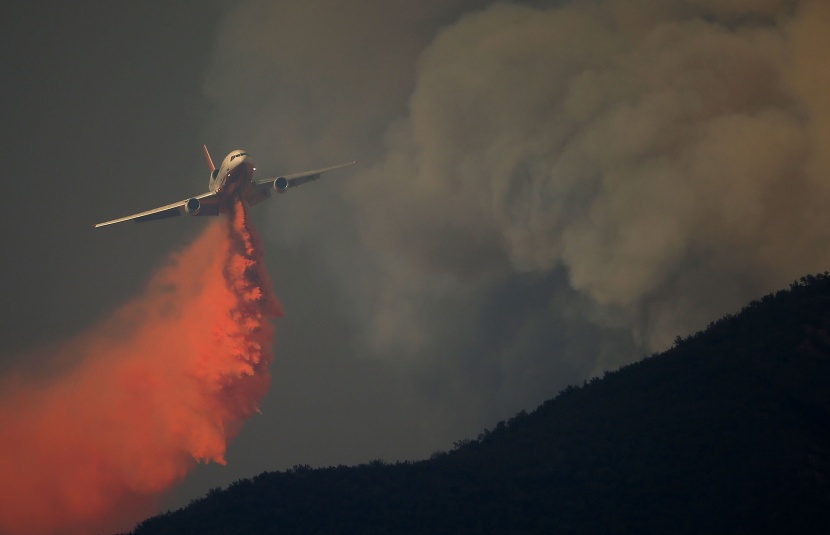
165,382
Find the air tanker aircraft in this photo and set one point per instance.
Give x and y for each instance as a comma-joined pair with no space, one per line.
232,180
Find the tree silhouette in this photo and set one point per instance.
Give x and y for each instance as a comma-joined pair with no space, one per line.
726,432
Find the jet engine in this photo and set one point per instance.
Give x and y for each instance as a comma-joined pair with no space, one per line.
281,184
192,206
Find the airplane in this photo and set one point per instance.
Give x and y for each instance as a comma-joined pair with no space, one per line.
230,181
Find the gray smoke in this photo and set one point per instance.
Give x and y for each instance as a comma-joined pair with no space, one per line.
546,190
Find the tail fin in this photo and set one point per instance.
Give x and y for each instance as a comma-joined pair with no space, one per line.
210,162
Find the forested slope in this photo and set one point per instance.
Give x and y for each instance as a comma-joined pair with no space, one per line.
727,432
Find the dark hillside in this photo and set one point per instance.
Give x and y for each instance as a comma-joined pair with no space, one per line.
727,432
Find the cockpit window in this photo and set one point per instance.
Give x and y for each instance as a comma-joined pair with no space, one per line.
238,154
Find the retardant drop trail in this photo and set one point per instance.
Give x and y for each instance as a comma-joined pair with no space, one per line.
165,382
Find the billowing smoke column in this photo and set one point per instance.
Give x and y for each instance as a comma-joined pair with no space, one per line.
139,399
649,149
549,188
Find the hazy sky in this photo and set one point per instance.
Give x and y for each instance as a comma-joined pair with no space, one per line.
545,190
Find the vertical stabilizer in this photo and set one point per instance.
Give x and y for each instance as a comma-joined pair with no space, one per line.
210,161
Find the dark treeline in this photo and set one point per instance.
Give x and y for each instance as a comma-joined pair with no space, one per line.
727,432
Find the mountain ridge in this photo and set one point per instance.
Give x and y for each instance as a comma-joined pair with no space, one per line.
728,431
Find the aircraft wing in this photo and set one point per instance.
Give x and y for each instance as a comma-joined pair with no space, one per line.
208,205
297,179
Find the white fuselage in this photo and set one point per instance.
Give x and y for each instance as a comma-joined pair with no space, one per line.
233,177
232,181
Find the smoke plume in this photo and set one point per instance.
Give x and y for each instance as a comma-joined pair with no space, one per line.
649,152
136,401
547,189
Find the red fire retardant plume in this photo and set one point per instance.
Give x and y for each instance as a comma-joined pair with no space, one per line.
127,408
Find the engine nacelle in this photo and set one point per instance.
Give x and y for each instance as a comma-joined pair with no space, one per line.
192,206
281,184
